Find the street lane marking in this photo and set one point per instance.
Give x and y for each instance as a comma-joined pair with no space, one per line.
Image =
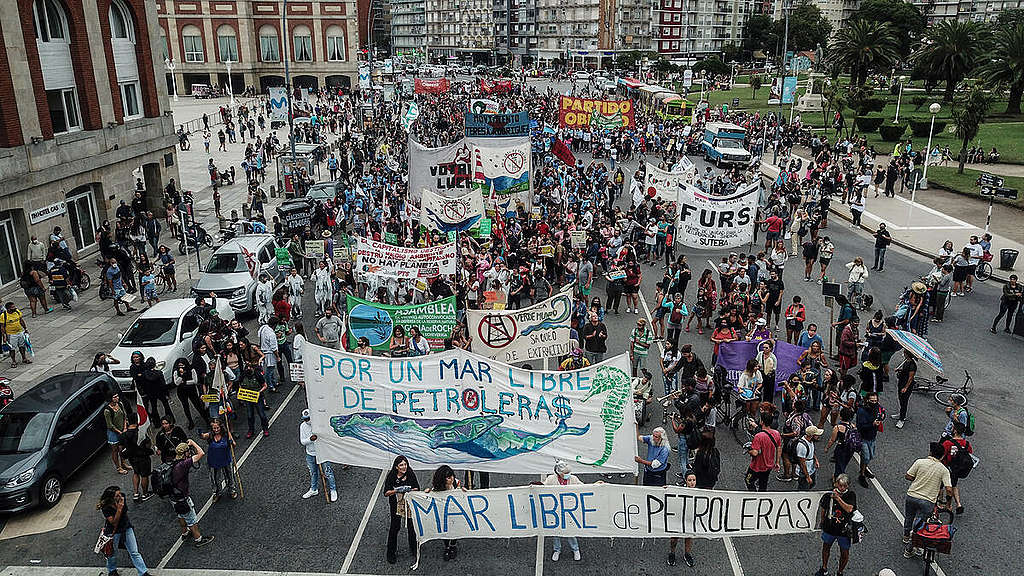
730,550
91,571
538,567
362,525
209,502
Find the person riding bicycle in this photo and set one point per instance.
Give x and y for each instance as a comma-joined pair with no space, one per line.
855,282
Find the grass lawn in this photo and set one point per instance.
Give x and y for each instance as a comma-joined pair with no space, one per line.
966,183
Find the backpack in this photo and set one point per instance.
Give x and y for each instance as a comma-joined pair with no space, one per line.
969,429
161,480
853,441
677,315
961,463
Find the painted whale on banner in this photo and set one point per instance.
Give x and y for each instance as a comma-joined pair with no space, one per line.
474,439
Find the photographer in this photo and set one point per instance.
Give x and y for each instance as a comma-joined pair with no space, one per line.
688,424
187,456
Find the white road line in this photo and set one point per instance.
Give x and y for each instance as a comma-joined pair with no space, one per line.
362,525
895,511
91,571
734,559
209,502
538,567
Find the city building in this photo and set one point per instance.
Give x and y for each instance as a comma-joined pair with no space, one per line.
711,24
977,11
460,30
515,29
207,38
408,28
634,25
567,28
375,15
837,12
83,119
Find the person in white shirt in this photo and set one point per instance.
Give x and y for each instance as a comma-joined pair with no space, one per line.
269,347
563,476
296,286
323,290
977,253
264,297
307,439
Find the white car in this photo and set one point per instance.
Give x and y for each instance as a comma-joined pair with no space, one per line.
163,332
228,273
581,75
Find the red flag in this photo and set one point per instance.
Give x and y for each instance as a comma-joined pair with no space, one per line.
562,152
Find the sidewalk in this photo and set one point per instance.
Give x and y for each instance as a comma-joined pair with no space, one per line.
64,341
923,229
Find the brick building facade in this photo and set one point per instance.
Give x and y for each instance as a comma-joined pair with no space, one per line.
83,118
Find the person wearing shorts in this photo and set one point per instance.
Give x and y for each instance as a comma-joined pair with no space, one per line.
186,455
835,511
825,252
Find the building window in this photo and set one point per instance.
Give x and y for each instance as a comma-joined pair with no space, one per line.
121,22
227,44
268,45
49,20
335,44
303,44
63,106
130,100
165,50
192,40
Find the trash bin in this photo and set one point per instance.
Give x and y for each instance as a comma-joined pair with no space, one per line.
1007,257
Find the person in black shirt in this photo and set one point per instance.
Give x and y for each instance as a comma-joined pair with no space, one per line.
835,513
905,384
168,438
138,450
882,241
1013,291
399,481
773,307
117,525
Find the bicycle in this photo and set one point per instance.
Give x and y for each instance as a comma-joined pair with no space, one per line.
940,389
984,269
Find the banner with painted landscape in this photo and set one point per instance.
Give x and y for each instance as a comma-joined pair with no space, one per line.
468,411
383,259
610,511
501,171
497,125
377,322
459,214
585,112
446,170
716,222
532,333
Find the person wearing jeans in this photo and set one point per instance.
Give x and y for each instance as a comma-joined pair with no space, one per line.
563,476
307,439
1013,291
882,241
114,507
927,477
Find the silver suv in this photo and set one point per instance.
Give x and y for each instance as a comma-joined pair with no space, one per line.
233,270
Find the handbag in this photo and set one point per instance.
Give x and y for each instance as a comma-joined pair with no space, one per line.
104,544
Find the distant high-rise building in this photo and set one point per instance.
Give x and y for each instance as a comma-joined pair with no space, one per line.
461,29
964,10
408,27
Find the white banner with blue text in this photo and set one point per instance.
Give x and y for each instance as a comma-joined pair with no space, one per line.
469,411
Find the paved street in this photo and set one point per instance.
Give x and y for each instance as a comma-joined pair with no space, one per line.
272,529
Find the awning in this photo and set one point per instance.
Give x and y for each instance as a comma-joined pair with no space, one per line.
630,82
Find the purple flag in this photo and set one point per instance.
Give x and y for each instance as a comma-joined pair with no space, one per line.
733,357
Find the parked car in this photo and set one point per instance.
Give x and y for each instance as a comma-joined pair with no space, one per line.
204,91
231,274
164,332
581,75
49,433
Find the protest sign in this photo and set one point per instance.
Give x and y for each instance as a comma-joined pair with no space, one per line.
609,511
430,85
716,222
391,238
733,357
468,411
247,395
483,106
584,112
284,259
315,249
532,333
210,398
377,322
578,238
373,257
661,184
498,86
501,172
493,125
451,214
447,170
547,250
485,227
295,372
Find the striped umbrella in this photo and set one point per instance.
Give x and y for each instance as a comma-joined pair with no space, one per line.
918,347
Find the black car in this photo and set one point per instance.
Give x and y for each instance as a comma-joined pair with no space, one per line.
47,434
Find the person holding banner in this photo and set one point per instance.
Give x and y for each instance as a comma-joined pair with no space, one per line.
690,482
656,464
836,510
399,481
563,476
444,480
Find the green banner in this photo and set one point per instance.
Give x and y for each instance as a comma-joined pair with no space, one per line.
391,238
485,227
376,322
284,259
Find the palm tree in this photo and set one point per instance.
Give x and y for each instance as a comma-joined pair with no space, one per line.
1005,66
863,46
951,48
755,84
968,114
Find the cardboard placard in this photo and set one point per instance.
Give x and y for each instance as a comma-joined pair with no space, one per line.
295,372
210,398
247,395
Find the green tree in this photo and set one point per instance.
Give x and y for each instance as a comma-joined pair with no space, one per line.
713,65
863,46
968,114
1005,63
731,52
906,19
1010,17
755,84
759,34
808,28
952,48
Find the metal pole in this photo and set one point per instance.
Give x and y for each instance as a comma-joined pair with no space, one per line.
288,82
782,76
924,174
899,98
231,90
988,220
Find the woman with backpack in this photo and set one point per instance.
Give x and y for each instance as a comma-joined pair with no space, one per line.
958,459
792,431
846,440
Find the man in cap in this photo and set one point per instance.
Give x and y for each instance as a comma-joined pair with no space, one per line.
186,455
307,439
808,462
563,476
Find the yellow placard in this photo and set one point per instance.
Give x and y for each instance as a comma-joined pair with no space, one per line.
210,398
547,250
247,395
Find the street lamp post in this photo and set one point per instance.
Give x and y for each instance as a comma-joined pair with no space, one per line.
170,66
899,98
934,109
231,90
